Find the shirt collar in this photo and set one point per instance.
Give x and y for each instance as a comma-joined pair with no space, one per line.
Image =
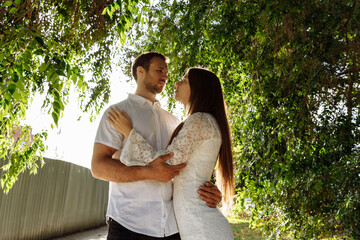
143,100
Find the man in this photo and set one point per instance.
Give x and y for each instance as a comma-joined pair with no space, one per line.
140,197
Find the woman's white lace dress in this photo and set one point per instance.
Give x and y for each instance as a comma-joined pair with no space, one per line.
197,144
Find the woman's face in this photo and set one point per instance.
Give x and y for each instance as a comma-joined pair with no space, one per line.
182,92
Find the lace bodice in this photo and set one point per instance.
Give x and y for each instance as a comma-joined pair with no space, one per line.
197,128
198,144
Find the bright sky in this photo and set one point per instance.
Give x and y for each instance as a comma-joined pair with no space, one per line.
73,140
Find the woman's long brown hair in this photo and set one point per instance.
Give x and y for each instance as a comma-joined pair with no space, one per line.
207,96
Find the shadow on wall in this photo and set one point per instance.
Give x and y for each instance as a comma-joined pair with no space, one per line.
62,198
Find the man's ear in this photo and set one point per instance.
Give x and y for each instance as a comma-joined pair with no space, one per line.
140,71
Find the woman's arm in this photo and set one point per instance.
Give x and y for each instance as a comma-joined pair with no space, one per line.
137,151
120,121
196,129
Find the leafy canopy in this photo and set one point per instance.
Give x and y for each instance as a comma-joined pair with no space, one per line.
289,70
290,73
46,47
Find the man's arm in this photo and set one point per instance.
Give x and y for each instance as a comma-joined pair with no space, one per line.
104,167
210,194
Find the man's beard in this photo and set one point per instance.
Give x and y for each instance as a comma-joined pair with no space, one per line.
153,88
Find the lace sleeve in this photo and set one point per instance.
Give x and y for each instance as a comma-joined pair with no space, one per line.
137,151
196,129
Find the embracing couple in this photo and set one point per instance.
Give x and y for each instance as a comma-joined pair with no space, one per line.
159,169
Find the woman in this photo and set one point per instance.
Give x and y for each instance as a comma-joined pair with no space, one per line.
199,141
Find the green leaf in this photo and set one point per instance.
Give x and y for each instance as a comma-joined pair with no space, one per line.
3,179
20,85
17,95
51,74
122,38
11,88
117,5
130,8
56,94
73,77
15,77
136,11
56,107
55,117
40,41
43,67
26,66
38,52
17,2
7,96
62,107
120,27
110,11
7,4
54,77
19,69
13,10
58,66
104,11
60,73
57,60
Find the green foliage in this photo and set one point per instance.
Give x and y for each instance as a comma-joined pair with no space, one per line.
46,47
290,73
24,156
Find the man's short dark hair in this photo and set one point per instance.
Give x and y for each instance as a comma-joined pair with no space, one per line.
144,59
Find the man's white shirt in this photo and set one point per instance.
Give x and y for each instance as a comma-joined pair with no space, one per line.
143,206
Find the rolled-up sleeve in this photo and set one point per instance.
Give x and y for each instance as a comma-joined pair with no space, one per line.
107,134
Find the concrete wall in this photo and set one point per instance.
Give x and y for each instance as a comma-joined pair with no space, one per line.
62,198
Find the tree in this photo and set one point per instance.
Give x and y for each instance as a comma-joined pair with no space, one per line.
290,73
289,70
46,46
